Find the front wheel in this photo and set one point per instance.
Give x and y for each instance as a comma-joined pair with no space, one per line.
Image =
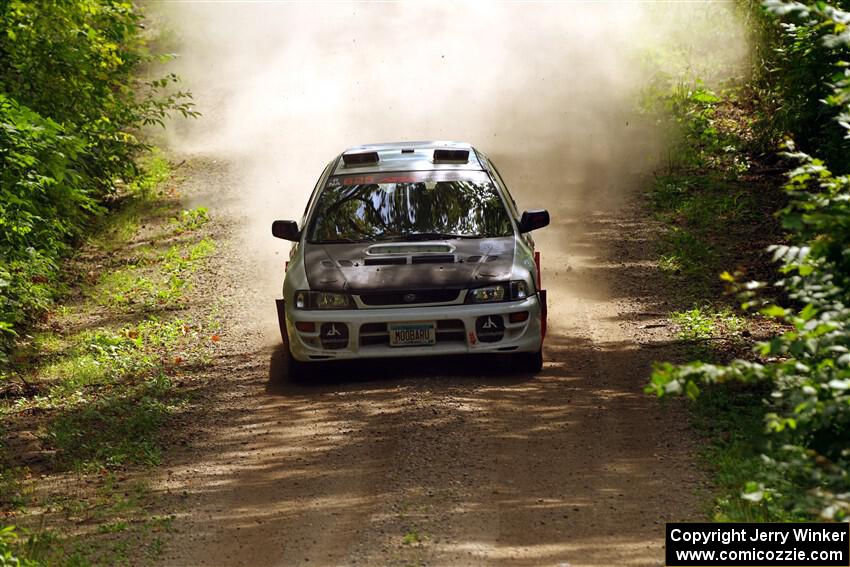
528,362
295,369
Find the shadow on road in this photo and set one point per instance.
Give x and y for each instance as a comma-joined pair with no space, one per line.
494,369
573,465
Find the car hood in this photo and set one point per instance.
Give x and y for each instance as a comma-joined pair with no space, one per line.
371,266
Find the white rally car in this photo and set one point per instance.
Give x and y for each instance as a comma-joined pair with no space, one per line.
412,249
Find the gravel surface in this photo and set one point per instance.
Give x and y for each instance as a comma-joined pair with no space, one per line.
437,462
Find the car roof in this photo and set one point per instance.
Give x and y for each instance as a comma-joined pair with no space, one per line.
421,158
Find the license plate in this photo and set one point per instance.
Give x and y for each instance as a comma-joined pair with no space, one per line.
412,334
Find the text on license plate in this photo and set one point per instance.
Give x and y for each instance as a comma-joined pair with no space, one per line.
412,334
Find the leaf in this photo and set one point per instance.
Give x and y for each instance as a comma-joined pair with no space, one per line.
753,492
692,390
773,311
808,312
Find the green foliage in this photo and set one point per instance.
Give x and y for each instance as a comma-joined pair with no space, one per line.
807,368
71,103
192,219
113,392
732,416
9,542
412,538
704,215
165,287
798,60
78,63
106,388
118,428
706,322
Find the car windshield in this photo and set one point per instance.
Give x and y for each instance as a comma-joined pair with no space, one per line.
409,206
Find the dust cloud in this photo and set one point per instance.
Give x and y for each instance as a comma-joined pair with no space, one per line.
550,91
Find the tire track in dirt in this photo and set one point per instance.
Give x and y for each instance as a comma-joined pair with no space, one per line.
448,462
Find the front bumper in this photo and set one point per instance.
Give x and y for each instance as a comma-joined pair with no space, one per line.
456,330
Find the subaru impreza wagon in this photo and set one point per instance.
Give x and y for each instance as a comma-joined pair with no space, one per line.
412,249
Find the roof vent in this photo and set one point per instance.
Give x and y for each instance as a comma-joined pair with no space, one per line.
458,156
361,158
407,150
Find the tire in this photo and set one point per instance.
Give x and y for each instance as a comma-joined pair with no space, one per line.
296,371
528,362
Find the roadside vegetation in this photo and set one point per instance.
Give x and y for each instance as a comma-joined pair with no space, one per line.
73,97
755,205
89,215
96,385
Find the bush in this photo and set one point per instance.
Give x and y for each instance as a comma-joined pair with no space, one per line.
71,104
797,63
806,463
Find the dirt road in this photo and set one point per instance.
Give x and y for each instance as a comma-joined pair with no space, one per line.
442,463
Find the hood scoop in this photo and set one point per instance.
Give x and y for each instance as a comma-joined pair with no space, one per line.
402,260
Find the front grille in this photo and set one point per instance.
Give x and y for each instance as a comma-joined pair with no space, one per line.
448,331
410,297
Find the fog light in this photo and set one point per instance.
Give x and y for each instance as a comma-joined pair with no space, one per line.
334,335
305,326
518,317
490,328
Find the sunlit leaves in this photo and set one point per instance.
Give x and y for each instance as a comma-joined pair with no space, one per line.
72,100
808,367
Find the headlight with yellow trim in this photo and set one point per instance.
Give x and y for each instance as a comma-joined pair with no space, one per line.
510,291
323,300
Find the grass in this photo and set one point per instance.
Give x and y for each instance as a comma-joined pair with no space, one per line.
144,198
731,418
156,279
106,372
411,538
717,215
192,219
14,493
118,428
703,214
707,322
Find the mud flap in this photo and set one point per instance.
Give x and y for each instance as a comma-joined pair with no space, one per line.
281,318
544,313
539,273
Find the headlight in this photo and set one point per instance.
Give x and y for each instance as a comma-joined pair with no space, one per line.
322,300
489,294
512,291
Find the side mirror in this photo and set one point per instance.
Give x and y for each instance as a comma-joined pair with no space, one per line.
532,220
285,229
